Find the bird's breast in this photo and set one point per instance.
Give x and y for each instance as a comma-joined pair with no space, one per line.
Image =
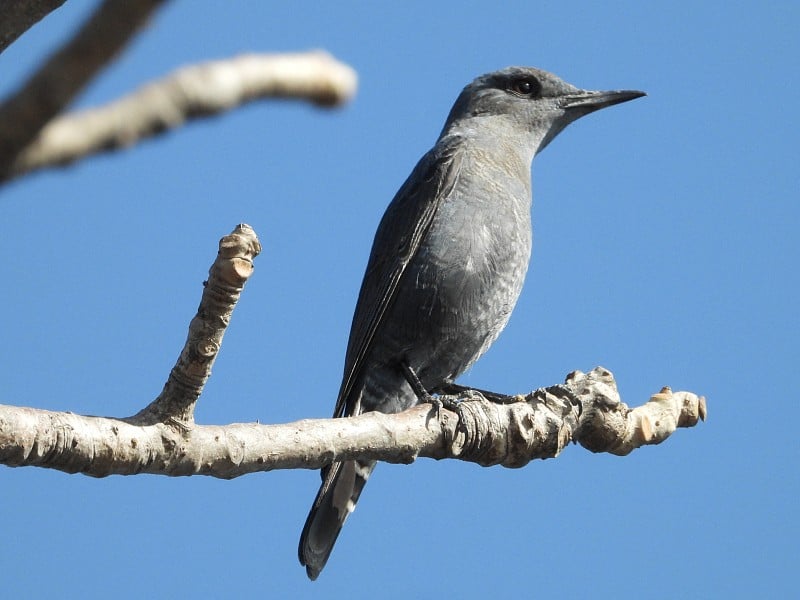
467,276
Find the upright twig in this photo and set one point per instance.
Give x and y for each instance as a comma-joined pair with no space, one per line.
226,279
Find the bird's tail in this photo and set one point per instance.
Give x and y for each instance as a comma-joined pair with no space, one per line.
342,483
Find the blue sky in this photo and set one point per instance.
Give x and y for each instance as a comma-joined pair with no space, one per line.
665,249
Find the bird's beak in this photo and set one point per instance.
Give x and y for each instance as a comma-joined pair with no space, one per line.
590,101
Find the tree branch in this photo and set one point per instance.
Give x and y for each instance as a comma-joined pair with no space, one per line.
65,73
189,93
585,410
19,16
163,438
226,279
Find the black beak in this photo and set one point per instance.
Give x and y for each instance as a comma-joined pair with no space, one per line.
590,101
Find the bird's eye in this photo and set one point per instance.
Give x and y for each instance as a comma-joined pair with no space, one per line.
525,87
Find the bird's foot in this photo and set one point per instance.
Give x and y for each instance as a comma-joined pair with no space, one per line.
423,395
471,394
435,401
457,405
454,403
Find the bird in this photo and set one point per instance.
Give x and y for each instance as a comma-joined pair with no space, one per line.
447,265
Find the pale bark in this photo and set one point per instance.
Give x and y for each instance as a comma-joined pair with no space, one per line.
586,409
164,439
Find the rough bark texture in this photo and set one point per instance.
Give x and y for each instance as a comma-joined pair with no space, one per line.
189,93
226,278
585,409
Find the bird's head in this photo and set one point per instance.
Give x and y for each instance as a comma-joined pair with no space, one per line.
529,101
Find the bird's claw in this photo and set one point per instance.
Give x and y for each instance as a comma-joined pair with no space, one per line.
436,405
453,403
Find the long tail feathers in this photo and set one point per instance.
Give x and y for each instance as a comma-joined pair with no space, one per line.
341,486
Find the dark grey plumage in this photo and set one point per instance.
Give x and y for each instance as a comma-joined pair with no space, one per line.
447,263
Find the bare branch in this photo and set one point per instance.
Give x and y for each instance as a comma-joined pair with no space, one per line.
163,438
226,278
18,17
610,426
585,409
65,73
188,93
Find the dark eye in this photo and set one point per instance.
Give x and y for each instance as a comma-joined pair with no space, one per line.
525,87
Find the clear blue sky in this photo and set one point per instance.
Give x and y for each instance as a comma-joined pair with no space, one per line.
665,249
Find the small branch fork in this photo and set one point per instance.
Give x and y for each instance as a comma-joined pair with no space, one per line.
35,134
65,74
163,438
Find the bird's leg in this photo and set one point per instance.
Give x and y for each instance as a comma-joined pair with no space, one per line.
423,394
448,402
454,388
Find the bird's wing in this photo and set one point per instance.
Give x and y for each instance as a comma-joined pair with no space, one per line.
400,233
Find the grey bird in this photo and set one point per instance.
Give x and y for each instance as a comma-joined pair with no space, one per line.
447,264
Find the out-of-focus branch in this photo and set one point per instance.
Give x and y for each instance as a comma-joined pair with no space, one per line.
65,73
188,93
18,16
